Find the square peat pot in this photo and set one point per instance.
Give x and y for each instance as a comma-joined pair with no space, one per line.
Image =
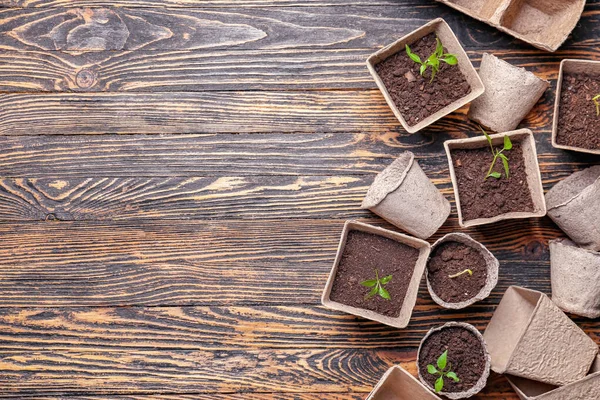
397,384
532,170
451,43
569,66
410,298
530,337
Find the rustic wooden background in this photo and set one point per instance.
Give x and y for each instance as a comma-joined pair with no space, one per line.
175,177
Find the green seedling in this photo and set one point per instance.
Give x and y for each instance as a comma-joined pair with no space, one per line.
433,60
377,286
498,153
597,103
466,271
443,370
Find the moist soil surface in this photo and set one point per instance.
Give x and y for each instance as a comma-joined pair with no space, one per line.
363,254
415,97
487,198
578,120
450,258
466,357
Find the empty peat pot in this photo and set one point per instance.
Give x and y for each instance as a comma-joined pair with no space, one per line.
376,274
573,205
403,195
510,93
484,200
460,271
530,337
575,278
417,100
397,384
467,358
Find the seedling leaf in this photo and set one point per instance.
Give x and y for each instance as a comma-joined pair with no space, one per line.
386,279
450,59
507,143
453,376
496,175
443,360
369,283
372,293
505,162
412,55
384,293
439,384
423,69
431,369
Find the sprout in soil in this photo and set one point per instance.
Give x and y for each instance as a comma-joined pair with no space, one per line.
434,60
466,271
377,286
444,369
498,153
597,103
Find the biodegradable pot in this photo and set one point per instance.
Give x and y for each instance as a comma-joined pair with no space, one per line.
575,278
534,178
403,195
530,337
573,205
492,270
449,40
411,295
571,66
545,24
486,373
510,93
397,384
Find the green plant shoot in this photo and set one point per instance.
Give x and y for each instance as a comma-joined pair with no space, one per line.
433,60
443,370
466,271
498,153
377,286
596,100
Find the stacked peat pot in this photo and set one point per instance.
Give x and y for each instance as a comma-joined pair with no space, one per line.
424,76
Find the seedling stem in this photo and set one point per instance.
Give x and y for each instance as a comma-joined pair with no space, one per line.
466,271
597,103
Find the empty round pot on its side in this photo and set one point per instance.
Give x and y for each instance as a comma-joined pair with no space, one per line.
403,195
573,205
575,278
492,270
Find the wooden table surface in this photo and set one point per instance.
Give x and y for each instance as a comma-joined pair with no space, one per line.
175,177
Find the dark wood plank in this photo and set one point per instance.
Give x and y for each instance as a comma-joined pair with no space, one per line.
195,3
216,396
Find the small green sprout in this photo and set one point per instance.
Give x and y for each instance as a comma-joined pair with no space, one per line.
498,153
377,286
597,103
444,369
466,271
433,60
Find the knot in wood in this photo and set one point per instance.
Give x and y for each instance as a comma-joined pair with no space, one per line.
86,78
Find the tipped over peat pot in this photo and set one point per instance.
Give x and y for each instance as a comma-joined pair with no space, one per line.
363,250
447,282
467,357
482,201
530,337
397,384
403,195
576,124
415,100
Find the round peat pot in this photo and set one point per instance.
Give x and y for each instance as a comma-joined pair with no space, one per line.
460,271
467,358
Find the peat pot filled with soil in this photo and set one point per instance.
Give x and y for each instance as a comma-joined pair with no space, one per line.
576,123
425,75
453,360
496,177
460,271
398,384
376,274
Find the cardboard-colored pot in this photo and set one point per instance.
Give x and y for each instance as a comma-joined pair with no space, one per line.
411,294
484,376
573,205
545,24
510,93
572,67
403,195
450,42
575,278
532,169
587,388
530,337
397,384
492,270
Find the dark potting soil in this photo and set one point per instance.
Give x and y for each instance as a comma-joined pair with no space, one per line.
578,120
363,254
486,198
413,94
450,258
466,357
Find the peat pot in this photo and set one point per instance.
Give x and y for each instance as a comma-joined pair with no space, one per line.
397,384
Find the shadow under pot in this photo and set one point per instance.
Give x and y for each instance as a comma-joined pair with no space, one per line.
495,178
460,271
376,274
453,361
530,337
573,205
397,384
